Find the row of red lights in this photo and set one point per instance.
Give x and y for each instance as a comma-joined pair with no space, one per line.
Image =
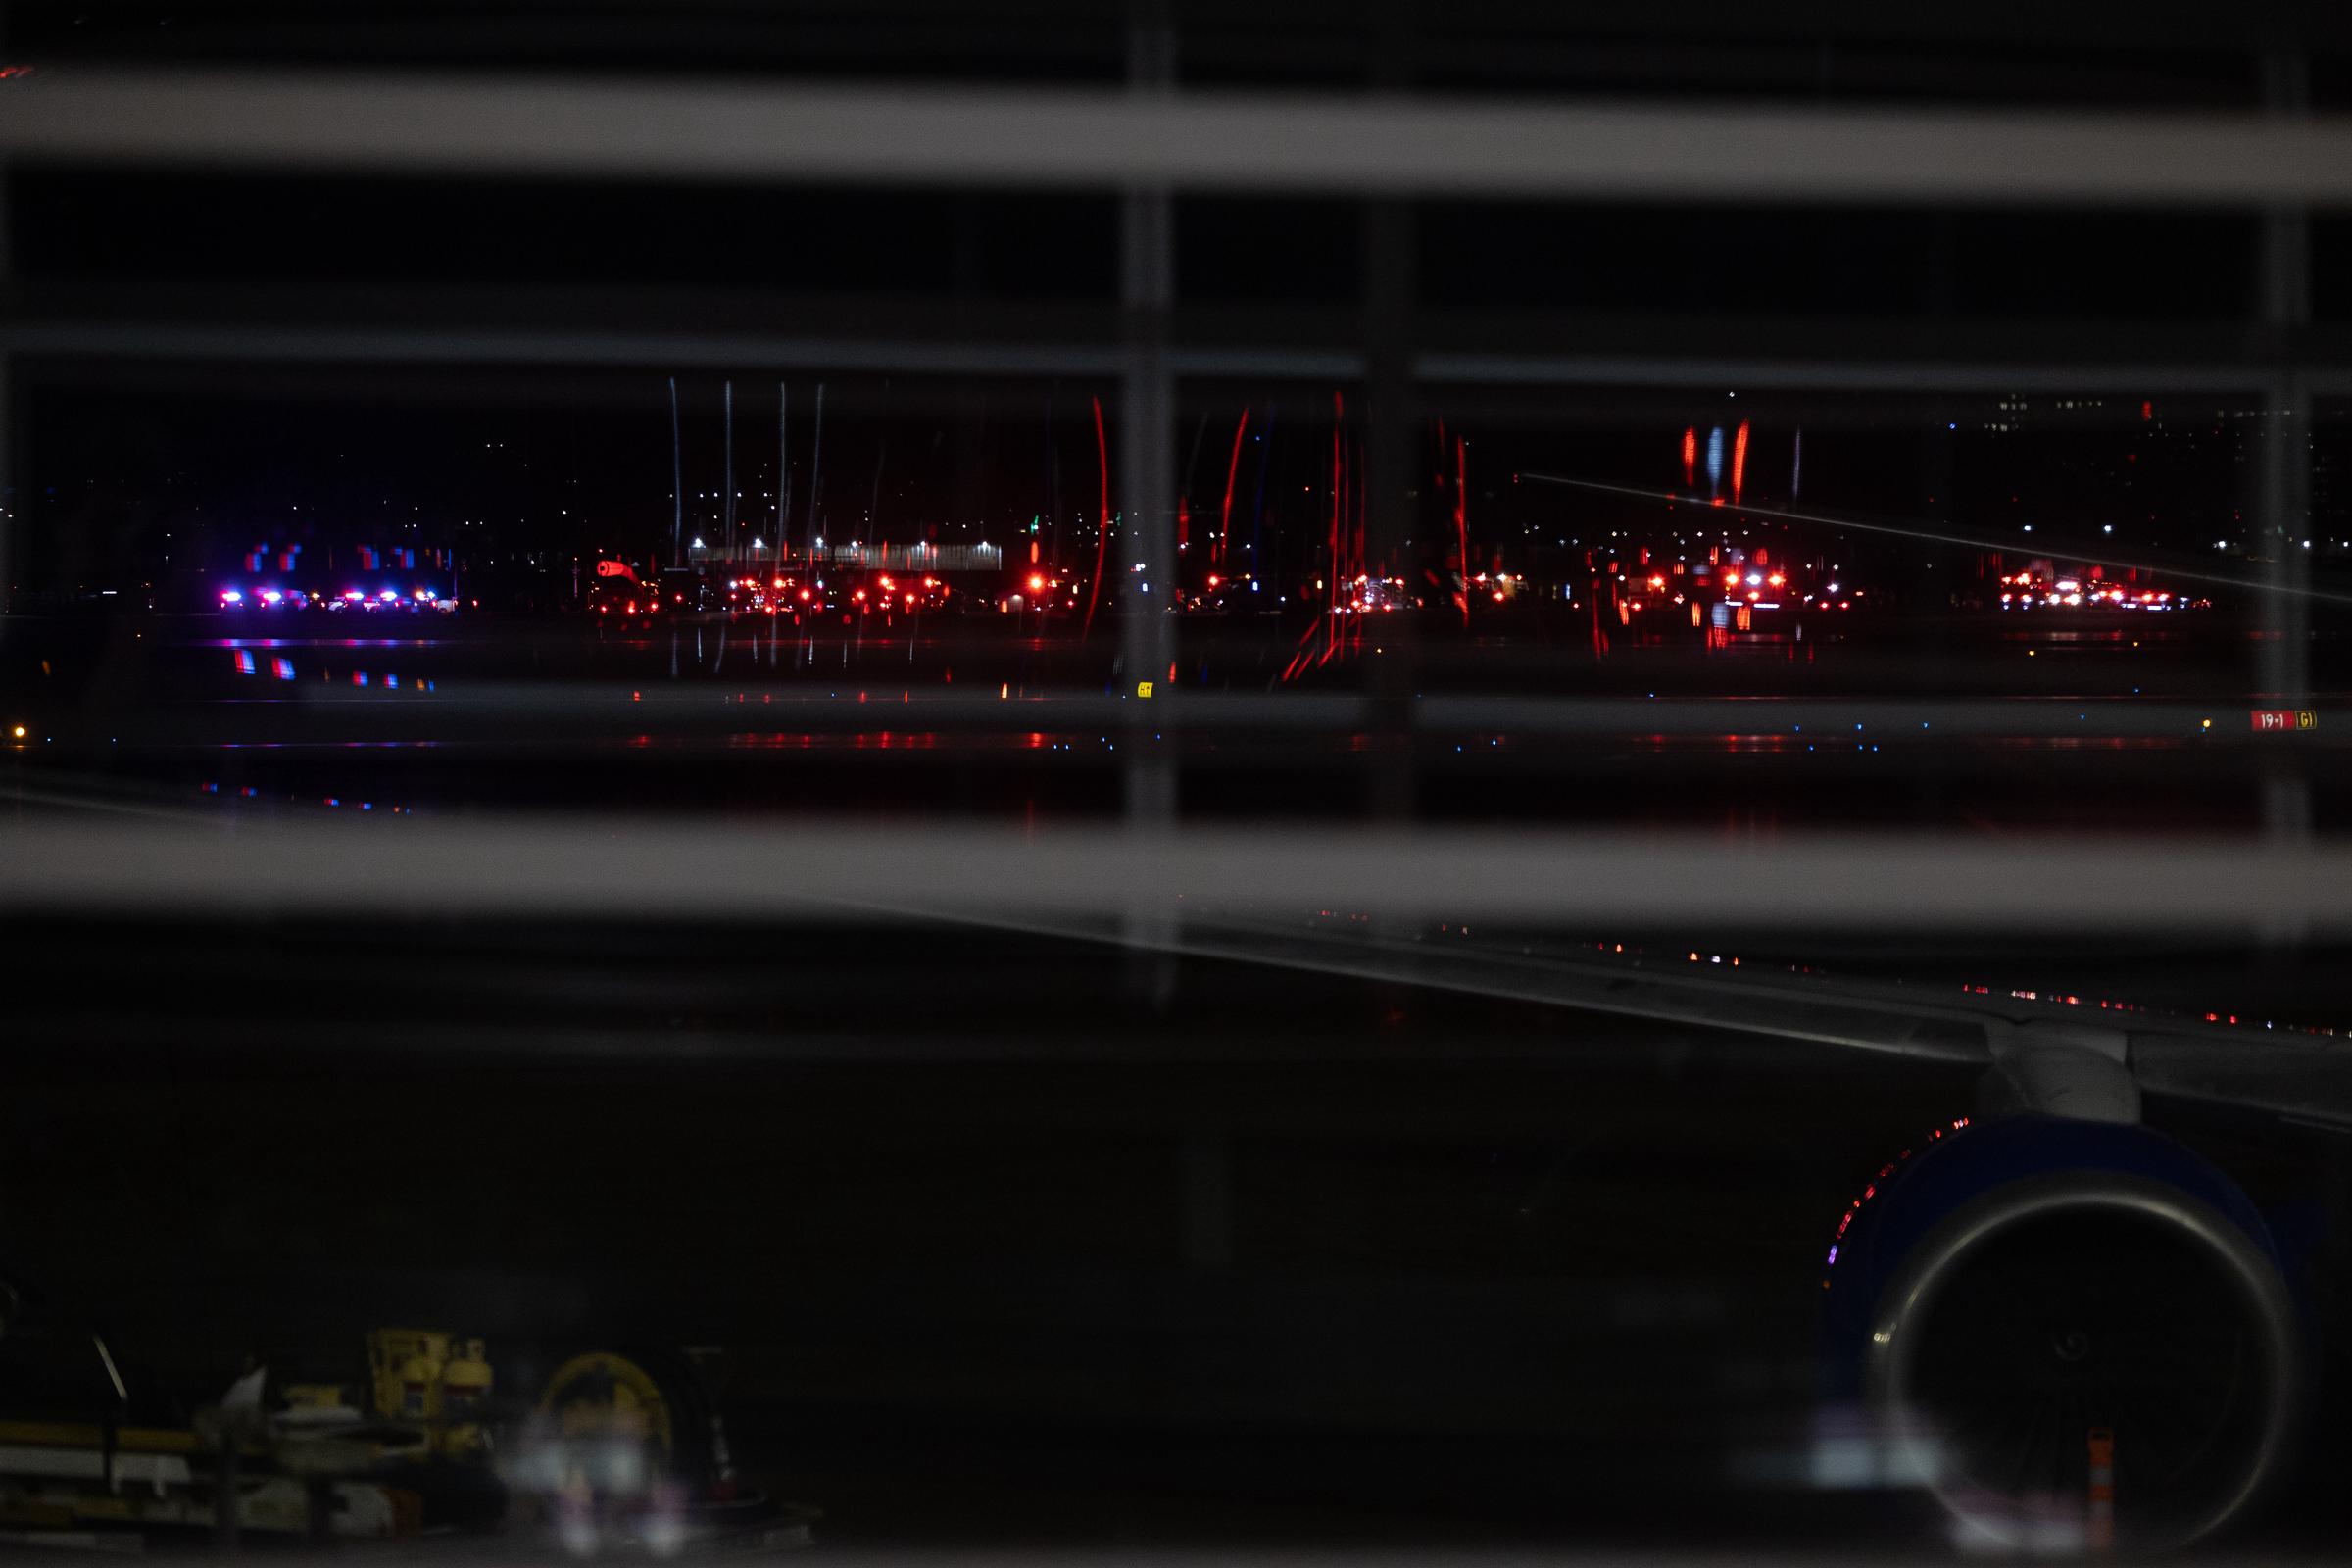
2058,997
1853,1210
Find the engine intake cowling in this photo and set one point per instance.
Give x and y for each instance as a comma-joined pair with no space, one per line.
2013,1294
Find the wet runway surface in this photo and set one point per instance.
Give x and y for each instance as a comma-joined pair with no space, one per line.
1985,723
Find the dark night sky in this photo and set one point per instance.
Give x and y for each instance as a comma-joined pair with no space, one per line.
121,458
584,465
105,224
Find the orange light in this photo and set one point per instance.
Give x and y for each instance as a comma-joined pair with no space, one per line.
780,582
1036,582
888,585
1776,579
1212,579
803,596
1657,583
859,596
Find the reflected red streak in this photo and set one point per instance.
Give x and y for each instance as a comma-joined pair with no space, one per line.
1225,516
1739,462
1690,456
1331,553
1363,553
1300,658
1461,521
1093,588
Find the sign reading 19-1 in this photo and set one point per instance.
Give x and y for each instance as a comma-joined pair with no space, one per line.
2269,720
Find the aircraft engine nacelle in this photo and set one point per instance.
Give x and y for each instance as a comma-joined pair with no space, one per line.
2011,1295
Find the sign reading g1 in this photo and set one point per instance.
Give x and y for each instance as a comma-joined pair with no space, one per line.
2269,720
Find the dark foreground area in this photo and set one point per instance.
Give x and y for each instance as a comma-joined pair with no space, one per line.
1002,1254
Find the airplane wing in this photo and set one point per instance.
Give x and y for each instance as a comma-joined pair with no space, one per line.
1425,909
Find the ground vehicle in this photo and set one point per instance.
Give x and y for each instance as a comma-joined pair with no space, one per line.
607,1452
617,595
684,589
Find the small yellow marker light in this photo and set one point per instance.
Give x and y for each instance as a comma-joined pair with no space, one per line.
19,732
